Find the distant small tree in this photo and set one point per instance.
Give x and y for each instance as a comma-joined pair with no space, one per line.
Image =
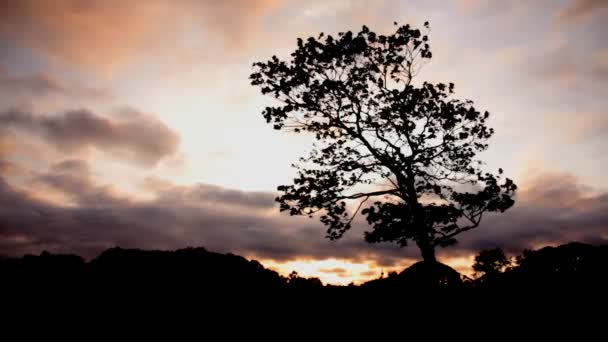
410,147
490,262
295,281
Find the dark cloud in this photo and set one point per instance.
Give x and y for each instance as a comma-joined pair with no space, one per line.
74,179
38,85
30,225
227,221
128,134
213,194
554,208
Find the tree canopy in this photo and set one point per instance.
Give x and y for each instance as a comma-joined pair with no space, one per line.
408,147
490,262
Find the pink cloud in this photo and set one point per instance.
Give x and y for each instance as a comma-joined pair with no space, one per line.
102,35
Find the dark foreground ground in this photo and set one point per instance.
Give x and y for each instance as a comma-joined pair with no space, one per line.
569,267
192,290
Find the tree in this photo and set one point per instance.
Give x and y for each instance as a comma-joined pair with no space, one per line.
379,135
491,262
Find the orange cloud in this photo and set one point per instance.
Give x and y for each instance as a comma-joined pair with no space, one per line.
101,35
91,34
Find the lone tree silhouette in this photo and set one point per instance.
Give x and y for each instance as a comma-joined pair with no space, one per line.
380,136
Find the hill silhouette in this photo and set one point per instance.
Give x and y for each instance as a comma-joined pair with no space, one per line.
419,276
571,266
191,267
197,270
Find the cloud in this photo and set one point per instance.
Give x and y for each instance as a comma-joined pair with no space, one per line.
551,208
234,21
128,134
30,224
7,167
75,181
578,9
92,33
488,7
581,127
214,195
573,69
572,10
100,35
337,270
38,85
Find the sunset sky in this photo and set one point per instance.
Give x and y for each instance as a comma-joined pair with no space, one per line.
133,123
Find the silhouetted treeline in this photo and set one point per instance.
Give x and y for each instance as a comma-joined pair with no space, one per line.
116,269
570,266
566,267
196,270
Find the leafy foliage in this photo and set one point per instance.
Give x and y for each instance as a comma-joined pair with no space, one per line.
380,136
490,262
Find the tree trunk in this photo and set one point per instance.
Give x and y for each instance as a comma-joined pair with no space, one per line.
427,251
424,240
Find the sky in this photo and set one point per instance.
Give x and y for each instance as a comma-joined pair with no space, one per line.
133,124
